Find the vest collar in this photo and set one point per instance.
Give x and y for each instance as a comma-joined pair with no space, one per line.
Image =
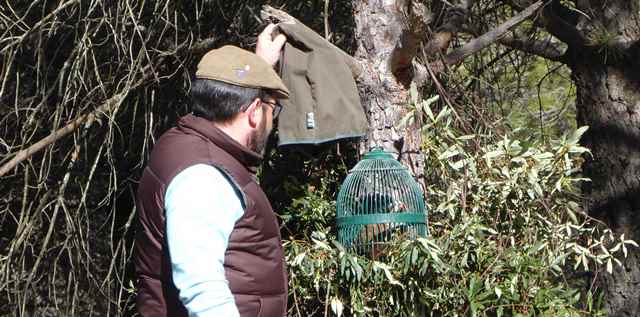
250,159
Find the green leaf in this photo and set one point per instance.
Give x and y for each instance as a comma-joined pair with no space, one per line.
493,154
413,93
414,256
387,272
427,109
576,135
458,165
298,259
443,113
336,306
407,120
498,291
452,151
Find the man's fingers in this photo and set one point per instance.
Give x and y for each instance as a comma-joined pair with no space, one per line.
269,47
278,42
266,33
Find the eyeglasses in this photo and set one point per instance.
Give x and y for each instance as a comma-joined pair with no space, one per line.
277,108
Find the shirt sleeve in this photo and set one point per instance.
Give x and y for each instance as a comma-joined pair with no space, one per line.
201,208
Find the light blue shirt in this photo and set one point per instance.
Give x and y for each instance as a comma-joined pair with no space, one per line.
202,208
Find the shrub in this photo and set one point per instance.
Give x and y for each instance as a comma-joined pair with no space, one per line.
507,238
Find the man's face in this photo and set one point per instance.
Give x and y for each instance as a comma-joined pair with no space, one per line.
258,138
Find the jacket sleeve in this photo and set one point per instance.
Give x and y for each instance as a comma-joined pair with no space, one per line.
201,210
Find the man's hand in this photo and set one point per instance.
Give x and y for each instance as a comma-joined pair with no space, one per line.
268,47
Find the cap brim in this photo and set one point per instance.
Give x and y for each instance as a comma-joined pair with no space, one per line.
280,94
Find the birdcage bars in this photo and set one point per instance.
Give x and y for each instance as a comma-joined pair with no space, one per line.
379,201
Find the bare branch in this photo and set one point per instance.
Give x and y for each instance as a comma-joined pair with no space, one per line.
58,134
561,28
85,119
546,49
492,36
326,20
269,13
473,46
203,46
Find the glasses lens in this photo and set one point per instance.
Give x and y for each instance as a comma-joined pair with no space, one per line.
277,108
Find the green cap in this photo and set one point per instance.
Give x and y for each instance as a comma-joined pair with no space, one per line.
233,65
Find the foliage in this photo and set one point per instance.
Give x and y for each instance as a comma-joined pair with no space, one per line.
506,229
546,99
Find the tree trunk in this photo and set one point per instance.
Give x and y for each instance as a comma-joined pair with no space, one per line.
379,27
603,57
608,101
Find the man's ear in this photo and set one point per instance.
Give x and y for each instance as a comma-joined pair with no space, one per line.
254,113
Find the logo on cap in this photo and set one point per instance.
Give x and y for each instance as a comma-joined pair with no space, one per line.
241,73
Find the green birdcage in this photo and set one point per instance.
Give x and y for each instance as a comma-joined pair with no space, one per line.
379,201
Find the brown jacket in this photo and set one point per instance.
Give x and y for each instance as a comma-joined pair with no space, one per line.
254,260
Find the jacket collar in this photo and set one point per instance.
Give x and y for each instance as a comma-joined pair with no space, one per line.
250,159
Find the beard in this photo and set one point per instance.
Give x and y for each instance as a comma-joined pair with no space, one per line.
258,139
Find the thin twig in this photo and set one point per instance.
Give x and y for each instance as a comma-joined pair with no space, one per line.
327,36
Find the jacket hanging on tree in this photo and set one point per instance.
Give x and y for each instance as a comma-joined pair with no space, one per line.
323,104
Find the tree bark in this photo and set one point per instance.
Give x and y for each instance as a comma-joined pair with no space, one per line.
384,97
608,101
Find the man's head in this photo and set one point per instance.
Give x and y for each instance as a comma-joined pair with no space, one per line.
237,91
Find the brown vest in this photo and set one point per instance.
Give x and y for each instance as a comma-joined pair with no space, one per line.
254,260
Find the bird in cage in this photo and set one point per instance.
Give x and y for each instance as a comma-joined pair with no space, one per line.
374,237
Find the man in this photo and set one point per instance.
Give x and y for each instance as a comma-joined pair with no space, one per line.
208,242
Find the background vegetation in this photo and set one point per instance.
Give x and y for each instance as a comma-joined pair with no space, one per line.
508,236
